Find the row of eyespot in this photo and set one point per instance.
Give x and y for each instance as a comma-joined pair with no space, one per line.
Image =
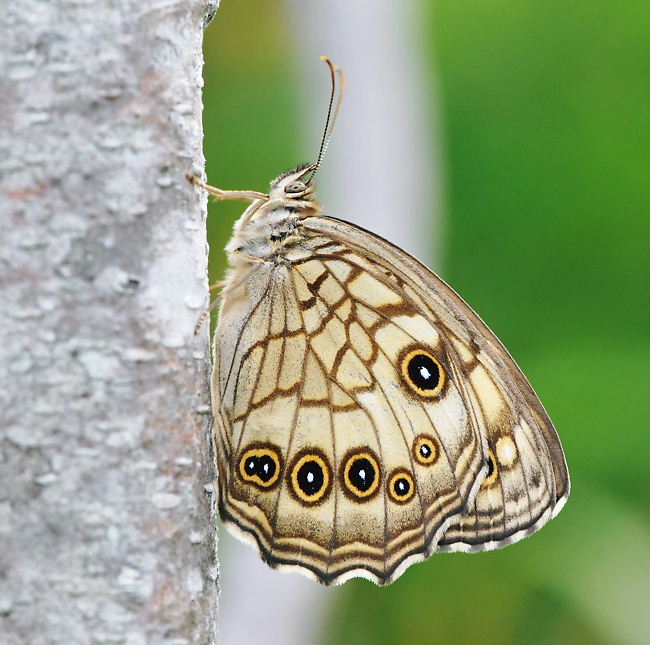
310,476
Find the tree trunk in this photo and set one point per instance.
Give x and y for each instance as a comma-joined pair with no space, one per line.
106,529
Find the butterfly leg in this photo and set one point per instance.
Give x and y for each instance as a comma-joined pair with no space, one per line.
232,195
206,312
245,256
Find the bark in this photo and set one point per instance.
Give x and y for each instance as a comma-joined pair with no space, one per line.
106,529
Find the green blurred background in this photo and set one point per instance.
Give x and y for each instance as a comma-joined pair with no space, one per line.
545,132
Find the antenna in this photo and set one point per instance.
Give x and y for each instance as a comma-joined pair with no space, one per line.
330,121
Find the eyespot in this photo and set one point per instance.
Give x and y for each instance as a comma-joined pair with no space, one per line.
295,187
425,450
360,474
423,373
401,486
492,472
310,478
261,465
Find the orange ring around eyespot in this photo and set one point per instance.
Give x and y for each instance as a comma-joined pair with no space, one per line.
261,451
401,474
404,364
432,444
319,459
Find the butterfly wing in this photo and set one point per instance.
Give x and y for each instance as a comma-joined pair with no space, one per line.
367,417
328,457
527,481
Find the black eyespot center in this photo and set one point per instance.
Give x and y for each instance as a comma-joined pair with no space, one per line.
310,477
362,474
423,373
402,486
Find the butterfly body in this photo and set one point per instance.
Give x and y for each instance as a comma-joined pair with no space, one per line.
365,416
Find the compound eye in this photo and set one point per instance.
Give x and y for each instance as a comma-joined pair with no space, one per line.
295,187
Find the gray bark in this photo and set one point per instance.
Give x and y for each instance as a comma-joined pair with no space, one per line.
106,529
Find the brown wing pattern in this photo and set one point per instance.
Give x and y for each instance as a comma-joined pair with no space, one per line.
308,384
527,481
367,417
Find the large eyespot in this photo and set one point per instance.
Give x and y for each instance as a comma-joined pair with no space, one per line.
401,486
425,450
423,373
261,465
295,187
492,471
310,478
360,474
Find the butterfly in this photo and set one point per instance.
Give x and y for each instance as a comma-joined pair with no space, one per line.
365,416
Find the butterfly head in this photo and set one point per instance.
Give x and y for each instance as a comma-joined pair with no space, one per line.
294,185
